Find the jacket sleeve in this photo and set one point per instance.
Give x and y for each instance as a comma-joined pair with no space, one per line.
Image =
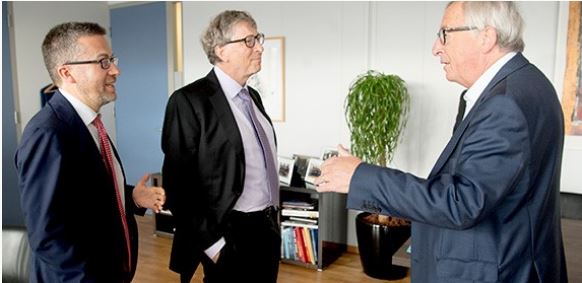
490,161
130,204
39,162
180,143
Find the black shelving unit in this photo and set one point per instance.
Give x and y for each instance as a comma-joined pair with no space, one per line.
331,224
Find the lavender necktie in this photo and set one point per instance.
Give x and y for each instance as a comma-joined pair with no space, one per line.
272,176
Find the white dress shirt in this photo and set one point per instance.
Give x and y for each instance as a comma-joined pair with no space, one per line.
475,91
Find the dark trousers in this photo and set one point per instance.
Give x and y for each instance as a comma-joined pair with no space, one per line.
251,253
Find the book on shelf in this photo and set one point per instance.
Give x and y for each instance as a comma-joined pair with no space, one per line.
288,246
314,241
307,243
300,213
299,205
298,224
300,244
303,220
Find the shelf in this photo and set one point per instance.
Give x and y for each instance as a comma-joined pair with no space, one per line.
314,193
331,223
299,263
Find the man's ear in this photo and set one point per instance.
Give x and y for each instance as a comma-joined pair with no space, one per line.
221,53
66,75
488,39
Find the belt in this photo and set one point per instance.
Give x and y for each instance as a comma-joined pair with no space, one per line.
268,212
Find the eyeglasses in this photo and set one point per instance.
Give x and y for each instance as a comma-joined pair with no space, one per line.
105,62
442,34
250,40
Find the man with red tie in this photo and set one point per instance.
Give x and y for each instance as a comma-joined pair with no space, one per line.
78,209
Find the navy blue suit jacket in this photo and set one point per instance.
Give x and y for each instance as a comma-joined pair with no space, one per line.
489,210
69,201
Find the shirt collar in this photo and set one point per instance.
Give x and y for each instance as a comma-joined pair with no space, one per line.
474,92
229,86
85,112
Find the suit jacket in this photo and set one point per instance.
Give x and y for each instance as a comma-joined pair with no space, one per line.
69,202
204,167
489,210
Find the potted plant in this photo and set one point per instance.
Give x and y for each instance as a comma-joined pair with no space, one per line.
376,111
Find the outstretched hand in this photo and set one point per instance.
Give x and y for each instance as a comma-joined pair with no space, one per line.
337,172
149,197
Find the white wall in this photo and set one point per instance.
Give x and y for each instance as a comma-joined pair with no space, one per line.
31,22
329,43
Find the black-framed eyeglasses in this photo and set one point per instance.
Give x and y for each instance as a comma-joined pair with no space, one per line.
442,34
105,62
250,40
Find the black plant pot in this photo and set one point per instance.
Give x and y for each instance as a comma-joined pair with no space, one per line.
377,243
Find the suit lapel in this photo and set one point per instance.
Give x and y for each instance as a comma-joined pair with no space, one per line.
224,113
516,63
67,113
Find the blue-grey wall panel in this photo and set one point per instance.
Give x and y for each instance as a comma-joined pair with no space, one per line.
11,212
138,37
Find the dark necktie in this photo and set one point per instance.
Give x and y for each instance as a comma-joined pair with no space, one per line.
268,157
461,111
107,155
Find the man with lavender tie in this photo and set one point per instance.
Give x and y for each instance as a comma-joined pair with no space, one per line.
219,166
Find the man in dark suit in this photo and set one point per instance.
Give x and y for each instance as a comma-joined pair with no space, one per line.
77,207
489,210
220,163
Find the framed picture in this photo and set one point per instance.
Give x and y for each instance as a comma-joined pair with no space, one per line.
270,81
572,92
285,170
313,170
301,163
328,152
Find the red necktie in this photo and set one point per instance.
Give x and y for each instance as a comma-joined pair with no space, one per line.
107,156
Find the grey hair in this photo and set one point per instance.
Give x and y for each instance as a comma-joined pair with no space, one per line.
219,31
503,16
60,44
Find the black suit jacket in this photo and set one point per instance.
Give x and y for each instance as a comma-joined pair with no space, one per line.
204,167
69,201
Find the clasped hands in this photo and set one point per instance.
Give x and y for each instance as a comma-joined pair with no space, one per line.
149,197
337,172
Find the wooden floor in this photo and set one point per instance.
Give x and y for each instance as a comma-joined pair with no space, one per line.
154,254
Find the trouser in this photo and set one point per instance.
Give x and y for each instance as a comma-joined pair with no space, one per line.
252,250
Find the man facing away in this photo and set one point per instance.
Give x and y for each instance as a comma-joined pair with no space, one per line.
77,206
219,166
489,210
